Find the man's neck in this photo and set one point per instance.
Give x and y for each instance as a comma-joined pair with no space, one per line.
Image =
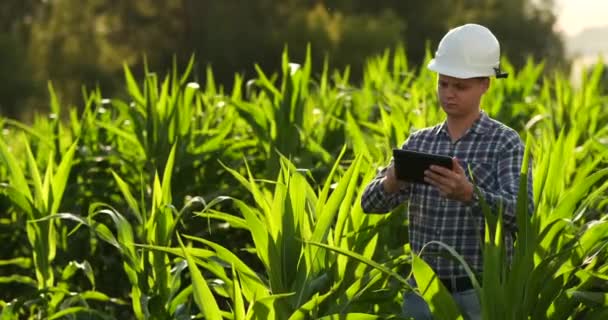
458,126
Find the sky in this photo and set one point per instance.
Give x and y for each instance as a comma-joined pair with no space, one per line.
575,15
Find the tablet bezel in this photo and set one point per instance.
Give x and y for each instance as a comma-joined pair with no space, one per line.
410,165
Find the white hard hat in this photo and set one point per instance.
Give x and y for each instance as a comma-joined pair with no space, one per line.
468,51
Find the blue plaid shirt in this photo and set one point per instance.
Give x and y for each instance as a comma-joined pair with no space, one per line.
494,153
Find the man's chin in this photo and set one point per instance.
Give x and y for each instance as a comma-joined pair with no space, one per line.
456,112
452,111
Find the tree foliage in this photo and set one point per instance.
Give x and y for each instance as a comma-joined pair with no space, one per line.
75,43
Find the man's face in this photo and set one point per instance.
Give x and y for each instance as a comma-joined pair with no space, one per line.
460,97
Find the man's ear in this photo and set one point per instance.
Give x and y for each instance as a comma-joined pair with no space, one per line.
485,83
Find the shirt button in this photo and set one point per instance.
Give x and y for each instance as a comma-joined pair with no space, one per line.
438,232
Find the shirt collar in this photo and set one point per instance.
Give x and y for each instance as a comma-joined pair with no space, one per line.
480,126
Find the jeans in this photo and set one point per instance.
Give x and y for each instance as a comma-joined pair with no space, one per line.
416,308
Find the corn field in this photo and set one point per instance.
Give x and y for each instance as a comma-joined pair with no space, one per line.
177,201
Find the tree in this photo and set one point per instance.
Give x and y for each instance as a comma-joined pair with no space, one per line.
16,83
508,20
75,43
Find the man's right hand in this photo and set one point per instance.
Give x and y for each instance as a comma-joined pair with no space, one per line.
390,182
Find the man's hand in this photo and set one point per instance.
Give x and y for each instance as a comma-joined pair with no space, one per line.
452,184
390,182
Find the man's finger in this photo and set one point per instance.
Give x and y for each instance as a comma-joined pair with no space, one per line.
445,184
441,170
432,181
444,190
438,177
435,184
456,165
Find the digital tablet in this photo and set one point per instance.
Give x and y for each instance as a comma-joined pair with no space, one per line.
410,165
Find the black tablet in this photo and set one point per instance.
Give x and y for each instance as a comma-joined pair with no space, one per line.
410,165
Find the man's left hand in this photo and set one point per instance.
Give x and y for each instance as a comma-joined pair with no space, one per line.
452,184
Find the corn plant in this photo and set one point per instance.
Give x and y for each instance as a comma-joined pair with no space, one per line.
277,113
276,244
38,203
148,272
156,291
291,230
201,125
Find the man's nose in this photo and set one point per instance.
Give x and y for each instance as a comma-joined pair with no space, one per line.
448,92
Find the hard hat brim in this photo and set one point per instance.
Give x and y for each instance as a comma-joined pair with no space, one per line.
461,73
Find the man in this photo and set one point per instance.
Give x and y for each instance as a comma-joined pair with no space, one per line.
447,209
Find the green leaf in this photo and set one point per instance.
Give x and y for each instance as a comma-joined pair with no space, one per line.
363,259
132,86
350,316
73,266
252,285
590,298
55,106
74,310
568,202
256,226
125,241
20,200
100,296
324,194
166,187
124,135
21,262
237,297
181,299
16,176
61,176
8,312
313,304
19,279
41,197
440,301
267,307
234,222
326,218
202,294
126,193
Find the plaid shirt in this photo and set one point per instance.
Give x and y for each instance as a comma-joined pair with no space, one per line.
494,153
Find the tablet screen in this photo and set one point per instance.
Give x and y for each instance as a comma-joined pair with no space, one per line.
410,165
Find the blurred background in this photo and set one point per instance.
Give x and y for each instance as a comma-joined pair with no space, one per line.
83,44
